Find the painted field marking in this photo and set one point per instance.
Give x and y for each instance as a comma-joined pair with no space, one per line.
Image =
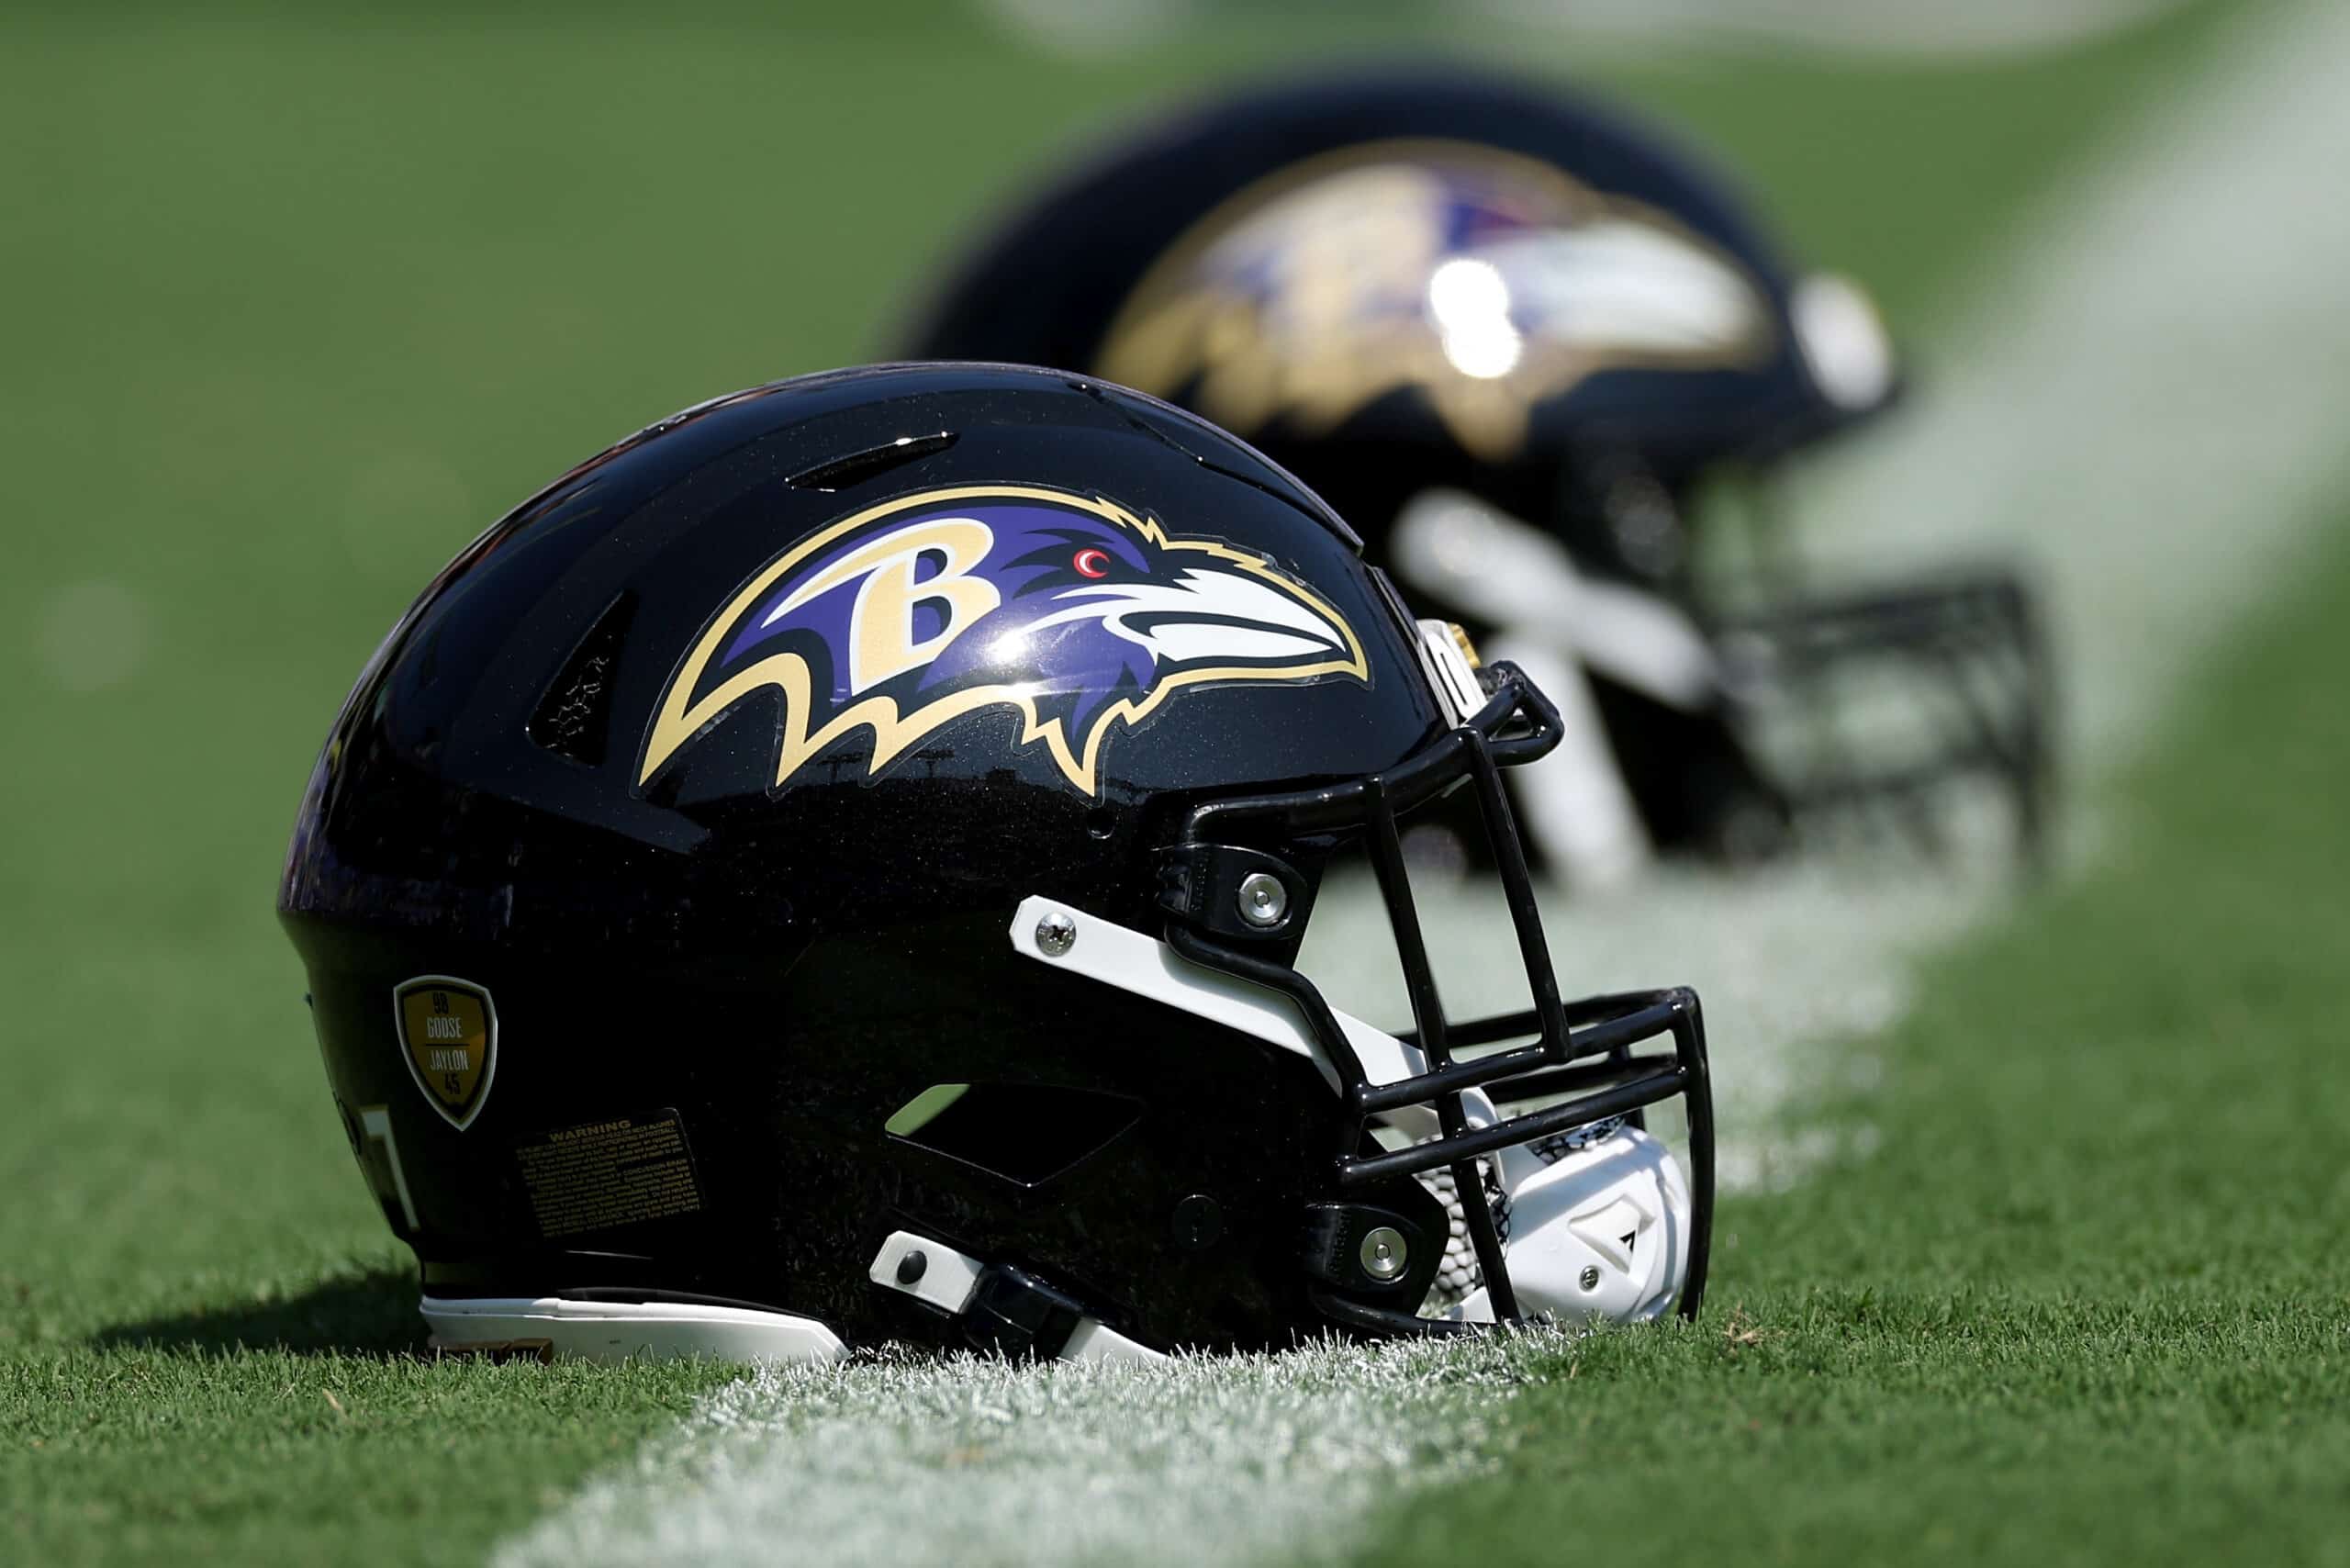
903,1459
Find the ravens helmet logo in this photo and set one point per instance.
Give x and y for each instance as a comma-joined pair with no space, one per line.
1072,610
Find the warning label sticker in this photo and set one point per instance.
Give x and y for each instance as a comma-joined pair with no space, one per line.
608,1173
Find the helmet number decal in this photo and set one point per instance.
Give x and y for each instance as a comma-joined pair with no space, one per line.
448,1034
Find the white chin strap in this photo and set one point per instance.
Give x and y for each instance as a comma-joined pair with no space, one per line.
1601,1233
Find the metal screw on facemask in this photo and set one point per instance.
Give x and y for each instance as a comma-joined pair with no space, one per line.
1264,902
1383,1253
1056,934
1589,1277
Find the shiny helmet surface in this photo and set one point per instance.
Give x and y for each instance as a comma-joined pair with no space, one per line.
831,871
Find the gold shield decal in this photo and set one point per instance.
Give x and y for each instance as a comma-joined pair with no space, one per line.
449,1033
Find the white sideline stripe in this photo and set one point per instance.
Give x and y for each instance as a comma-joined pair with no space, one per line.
2147,394
1919,28
971,1462
2150,398
1644,30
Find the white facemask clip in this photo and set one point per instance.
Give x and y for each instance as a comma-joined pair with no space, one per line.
959,1284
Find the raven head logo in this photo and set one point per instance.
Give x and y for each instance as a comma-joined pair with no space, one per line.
1071,611
1487,281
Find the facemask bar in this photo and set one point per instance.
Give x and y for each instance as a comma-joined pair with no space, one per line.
1976,641
1583,1049
1971,635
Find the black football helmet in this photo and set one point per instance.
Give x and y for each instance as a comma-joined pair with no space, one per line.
831,871
1510,337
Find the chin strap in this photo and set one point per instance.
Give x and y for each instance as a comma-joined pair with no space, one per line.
1003,1310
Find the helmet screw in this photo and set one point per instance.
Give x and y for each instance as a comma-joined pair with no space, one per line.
912,1265
1198,1222
1589,1277
1383,1253
1264,902
1056,934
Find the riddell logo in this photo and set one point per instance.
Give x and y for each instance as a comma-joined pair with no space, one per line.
448,1030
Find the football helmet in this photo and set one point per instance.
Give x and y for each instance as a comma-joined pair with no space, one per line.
1512,337
831,869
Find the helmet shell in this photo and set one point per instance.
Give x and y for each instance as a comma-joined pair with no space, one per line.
575,803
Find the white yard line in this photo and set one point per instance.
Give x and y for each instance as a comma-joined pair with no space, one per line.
1643,28
1912,28
2150,400
2148,396
976,1462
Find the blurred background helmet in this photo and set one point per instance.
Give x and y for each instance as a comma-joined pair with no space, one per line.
1529,347
831,869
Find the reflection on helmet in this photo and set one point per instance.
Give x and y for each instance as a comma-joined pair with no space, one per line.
1486,283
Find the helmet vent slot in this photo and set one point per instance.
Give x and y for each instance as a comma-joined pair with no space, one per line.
574,718
856,468
1027,1134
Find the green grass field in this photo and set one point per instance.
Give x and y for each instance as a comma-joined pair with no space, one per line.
295,307
2087,1304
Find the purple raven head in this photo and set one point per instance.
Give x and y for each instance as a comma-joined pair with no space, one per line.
1069,609
1488,281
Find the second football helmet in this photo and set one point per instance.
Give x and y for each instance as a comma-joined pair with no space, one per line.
1511,338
